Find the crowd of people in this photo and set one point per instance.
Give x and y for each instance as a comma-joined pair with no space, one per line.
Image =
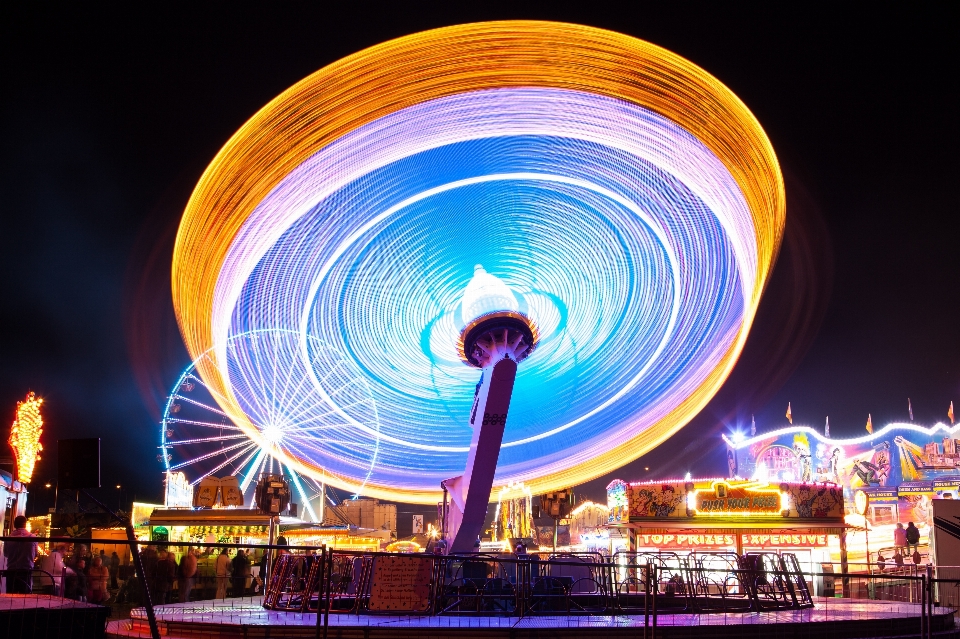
170,579
73,573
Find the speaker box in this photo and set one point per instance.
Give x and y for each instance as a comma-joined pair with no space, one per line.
78,463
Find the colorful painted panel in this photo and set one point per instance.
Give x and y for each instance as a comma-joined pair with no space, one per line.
901,468
617,501
726,498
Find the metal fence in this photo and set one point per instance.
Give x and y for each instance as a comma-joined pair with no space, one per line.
309,586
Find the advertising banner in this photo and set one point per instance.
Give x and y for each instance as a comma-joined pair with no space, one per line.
902,468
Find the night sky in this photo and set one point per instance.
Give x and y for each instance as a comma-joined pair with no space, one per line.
110,116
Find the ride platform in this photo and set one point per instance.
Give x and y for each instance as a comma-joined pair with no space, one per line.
246,618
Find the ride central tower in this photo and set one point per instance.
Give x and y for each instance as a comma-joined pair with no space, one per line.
496,337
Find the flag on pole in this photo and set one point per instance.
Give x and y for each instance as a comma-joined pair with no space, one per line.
869,424
826,428
753,427
910,409
950,412
789,413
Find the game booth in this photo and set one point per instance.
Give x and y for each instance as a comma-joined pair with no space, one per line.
717,517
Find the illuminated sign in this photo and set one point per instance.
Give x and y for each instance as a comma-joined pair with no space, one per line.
782,540
952,484
739,499
178,492
25,436
690,540
213,491
685,540
880,495
925,489
724,499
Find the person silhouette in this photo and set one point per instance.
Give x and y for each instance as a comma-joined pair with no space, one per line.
913,537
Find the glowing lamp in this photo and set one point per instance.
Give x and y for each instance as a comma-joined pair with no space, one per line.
494,325
484,294
860,502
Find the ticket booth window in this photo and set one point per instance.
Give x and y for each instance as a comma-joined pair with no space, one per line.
883,515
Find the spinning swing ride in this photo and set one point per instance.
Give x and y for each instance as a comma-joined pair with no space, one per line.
629,204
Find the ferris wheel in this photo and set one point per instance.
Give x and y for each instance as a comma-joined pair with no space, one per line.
290,412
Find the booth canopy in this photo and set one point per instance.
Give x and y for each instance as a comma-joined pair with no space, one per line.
215,517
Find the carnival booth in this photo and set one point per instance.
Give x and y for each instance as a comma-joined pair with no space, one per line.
251,528
728,515
235,525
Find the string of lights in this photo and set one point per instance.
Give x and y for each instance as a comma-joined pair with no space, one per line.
630,201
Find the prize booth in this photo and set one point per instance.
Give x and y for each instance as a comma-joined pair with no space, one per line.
686,517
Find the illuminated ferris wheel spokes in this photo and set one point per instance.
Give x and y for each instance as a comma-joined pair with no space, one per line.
289,413
318,405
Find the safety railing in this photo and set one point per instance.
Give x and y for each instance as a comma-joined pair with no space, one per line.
660,587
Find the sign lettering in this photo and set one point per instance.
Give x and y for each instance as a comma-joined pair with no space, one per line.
779,541
698,539
686,540
736,500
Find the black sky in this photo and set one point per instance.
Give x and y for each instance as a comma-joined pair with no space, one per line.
109,115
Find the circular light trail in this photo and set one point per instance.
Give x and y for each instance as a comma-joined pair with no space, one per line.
630,202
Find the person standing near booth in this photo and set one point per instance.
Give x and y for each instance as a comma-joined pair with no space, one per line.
188,574
99,575
241,566
21,556
223,573
59,569
114,568
166,572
